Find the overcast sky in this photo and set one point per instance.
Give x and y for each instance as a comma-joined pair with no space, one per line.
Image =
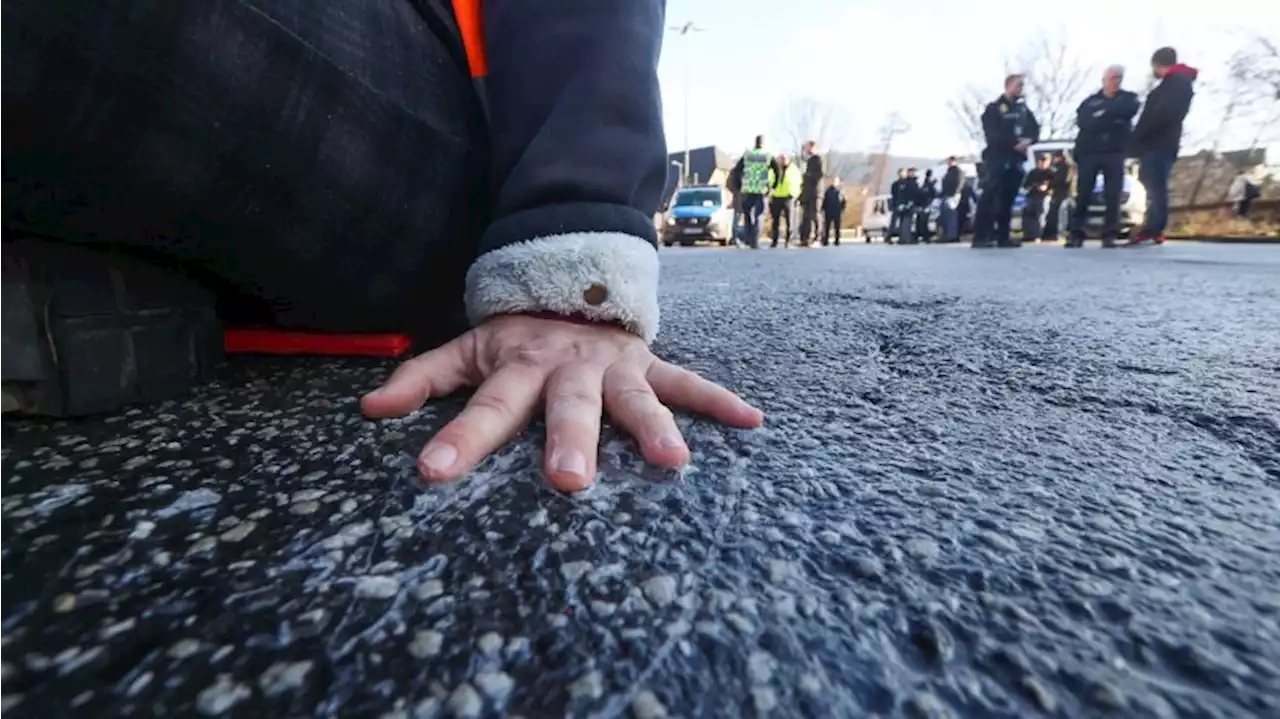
873,56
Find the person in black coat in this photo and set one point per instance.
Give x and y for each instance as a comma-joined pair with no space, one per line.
833,204
1038,184
1104,119
1157,137
949,193
1010,128
924,199
1060,188
908,196
895,201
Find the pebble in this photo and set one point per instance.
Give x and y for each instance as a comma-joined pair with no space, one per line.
426,643
202,545
739,622
867,567
377,587
238,532
589,685
490,643
142,530
760,667
809,685
184,648
465,702
64,603
283,676
922,548
764,698
496,685
115,630
661,589
1040,694
997,541
220,696
429,589
573,571
603,609
780,570
305,508
645,705
428,708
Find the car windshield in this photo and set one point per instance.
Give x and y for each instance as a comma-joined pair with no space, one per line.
697,198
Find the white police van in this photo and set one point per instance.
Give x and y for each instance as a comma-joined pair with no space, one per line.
1133,198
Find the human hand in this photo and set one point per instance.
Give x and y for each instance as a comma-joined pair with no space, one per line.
575,372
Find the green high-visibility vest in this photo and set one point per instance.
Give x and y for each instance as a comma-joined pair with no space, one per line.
755,172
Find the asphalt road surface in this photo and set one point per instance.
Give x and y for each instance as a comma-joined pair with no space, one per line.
991,484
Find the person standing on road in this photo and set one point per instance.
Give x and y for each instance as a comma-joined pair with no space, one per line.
1060,189
949,196
1010,128
785,188
833,204
907,197
1105,119
1038,184
752,175
924,200
895,201
1157,137
813,172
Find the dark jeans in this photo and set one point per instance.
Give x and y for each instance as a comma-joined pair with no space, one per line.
906,221
1111,166
948,221
780,210
321,164
922,224
1052,218
1032,217
752,211
995,205
1154,171
808,216
830,229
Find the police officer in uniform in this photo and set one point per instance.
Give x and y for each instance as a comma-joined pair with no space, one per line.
751,174
1010,128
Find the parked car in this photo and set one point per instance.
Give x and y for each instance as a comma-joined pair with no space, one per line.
1133,198
699,213
875,217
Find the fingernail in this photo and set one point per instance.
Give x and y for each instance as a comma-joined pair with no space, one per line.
439,457
569,462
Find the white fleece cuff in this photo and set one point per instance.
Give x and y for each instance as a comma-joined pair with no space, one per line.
603,276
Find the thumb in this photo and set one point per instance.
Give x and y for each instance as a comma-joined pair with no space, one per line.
436,373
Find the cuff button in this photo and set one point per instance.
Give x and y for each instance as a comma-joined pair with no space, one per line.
596,294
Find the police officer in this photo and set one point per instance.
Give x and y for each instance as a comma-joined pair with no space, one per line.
924,199
785,189
895,200
1010,128
908,195
1105,119
751,174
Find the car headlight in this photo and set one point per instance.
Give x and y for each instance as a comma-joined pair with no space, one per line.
671,221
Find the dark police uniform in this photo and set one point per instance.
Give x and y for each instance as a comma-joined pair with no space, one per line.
1105,126
1003,122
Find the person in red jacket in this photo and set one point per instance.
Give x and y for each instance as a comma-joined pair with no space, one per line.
481,175
1158,135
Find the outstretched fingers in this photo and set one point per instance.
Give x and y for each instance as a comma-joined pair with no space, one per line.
437,373
499,409
631,402
573,408
678,387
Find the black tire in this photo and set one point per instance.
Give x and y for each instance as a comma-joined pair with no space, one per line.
87,332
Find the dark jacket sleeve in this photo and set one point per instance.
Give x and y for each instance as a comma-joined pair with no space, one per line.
777,172
1086,119
1166,107
575,117
1032,128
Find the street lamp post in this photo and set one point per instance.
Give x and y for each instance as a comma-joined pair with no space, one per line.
683,31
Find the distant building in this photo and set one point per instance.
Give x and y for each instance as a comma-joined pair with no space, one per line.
707,166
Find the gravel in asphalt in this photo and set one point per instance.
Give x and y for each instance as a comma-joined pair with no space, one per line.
991,484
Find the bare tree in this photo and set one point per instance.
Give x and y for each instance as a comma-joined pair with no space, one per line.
966,112
827,124
1056,80
1250,94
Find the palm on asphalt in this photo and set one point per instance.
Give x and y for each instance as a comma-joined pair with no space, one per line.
575,373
